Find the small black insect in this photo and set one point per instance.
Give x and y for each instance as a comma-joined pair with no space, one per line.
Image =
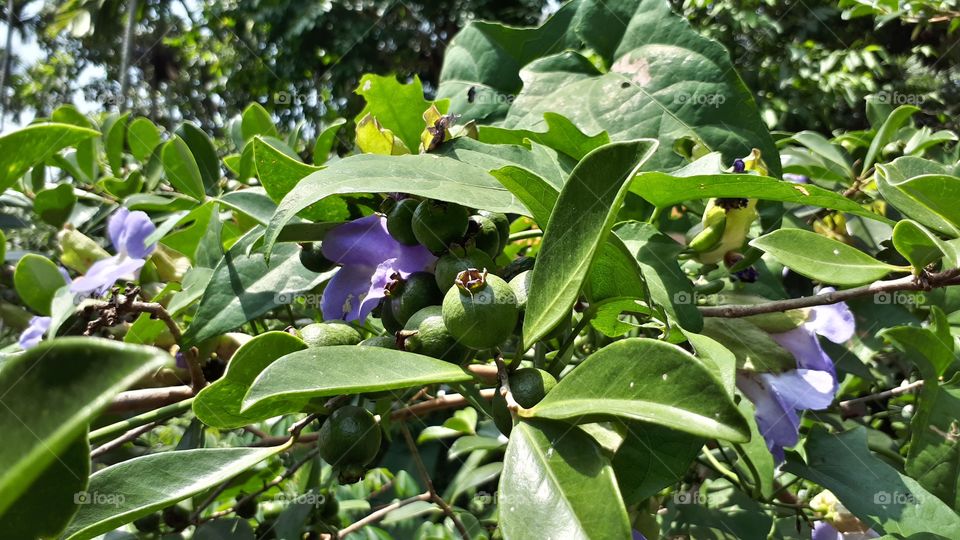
439,130
471,94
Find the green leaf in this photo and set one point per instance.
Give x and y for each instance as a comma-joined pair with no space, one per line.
887,131
324,144
611,382
244,286
753,348
142,138
886,500
538,195
657,254
821,258
561,135
934,456
257,121
224,529
716,357
577,495
51,392
927,198
278,172
123,496
54,205
579,225
48,505
181,168
398,107
346,369
663,190
36,278
34,144
757,462
203,152
651,458
921,247
825,149
115,132
605,315
427,175
219,404
932,354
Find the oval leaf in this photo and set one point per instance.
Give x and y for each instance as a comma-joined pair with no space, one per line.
36,279
579,224
346,369
650,381
60,386
22,149
181,168
821,258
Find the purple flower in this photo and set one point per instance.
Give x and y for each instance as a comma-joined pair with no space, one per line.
128,232
823,530
369,258
796,178
34,332
779,397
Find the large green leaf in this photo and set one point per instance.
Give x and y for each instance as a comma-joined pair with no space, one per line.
887,131
398,107
663,190
921,247
648,381
651,458
561,135
657,255
32,145
579,225
218,405
182,169
934,458
932,355
427,175
51,392
345,369
48,505
538,195
753,348
255,120
36,279
927,198
886,500
142,138
278,172
244,286
325,141
821,258
556,483
122,494
54,205
203,152
115,133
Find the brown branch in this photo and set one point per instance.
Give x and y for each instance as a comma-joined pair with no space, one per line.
425,476
121,440
848,405
504,389
924,282
148,398
382,513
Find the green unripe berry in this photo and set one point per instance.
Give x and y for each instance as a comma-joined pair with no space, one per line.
432,337
400,221
387,318
329,333
410,295
148,523
313,260
527,386
330,508
502,224
482,233
437,224
386,342
456,261
350,436
480,310
176,517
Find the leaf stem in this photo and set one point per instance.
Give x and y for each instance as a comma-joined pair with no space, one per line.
156,415
382,513
425,476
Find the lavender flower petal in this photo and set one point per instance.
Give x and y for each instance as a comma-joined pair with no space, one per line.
33,334
104,273
364,241
803,344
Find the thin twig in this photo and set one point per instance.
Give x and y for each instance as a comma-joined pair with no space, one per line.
504,389
296,428
121,440
149,398
155,415
425,476
379,515
847,404
908,283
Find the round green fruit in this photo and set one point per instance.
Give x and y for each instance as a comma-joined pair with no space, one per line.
454,262
437,224
480,310
176,517
528,386
148,523
350,436
503,226
400,221
329,333
387,318
432,337
313,260
385,342
410,295
245,508
483,234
